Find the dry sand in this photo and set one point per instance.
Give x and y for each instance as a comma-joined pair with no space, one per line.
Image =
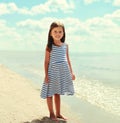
20,101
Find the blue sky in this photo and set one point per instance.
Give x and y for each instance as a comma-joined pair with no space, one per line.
91,25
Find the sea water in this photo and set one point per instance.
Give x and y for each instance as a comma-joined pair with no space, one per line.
97,84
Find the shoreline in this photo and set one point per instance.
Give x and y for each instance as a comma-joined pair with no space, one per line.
20,100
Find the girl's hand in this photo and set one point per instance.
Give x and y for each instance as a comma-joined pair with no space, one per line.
46,80
73,77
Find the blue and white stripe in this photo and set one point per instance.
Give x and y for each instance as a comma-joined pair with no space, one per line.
60,79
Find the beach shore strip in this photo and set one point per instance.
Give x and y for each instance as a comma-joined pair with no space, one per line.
20,100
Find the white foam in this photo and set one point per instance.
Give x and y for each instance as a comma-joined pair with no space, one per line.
96,93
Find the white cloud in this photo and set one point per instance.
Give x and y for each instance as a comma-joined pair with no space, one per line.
3,9
107,1
9,37
104,32
113,2
96,34
115,17
116,2
49,6
2,23
53,6
90,1
61,5
8,8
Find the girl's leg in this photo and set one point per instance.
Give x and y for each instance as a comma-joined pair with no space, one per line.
50,107
57,106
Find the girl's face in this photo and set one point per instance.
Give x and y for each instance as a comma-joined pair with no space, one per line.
57,33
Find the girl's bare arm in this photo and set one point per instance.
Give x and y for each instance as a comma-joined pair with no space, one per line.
68,59
46,63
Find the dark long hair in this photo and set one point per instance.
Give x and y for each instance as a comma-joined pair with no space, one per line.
50,39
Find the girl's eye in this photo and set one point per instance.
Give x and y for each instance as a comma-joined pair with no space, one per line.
60,31
57,31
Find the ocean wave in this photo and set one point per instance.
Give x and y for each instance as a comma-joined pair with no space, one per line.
96,93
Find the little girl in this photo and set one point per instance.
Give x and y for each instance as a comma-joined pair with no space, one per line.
58,70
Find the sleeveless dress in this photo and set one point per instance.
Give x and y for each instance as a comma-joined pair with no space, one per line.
60,79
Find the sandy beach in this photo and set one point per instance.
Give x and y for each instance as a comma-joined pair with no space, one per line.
20,101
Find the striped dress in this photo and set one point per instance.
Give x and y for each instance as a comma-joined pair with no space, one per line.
60,79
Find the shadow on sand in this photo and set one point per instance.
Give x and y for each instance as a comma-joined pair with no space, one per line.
46,120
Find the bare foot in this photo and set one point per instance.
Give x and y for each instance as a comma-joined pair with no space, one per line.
61,117
53,117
